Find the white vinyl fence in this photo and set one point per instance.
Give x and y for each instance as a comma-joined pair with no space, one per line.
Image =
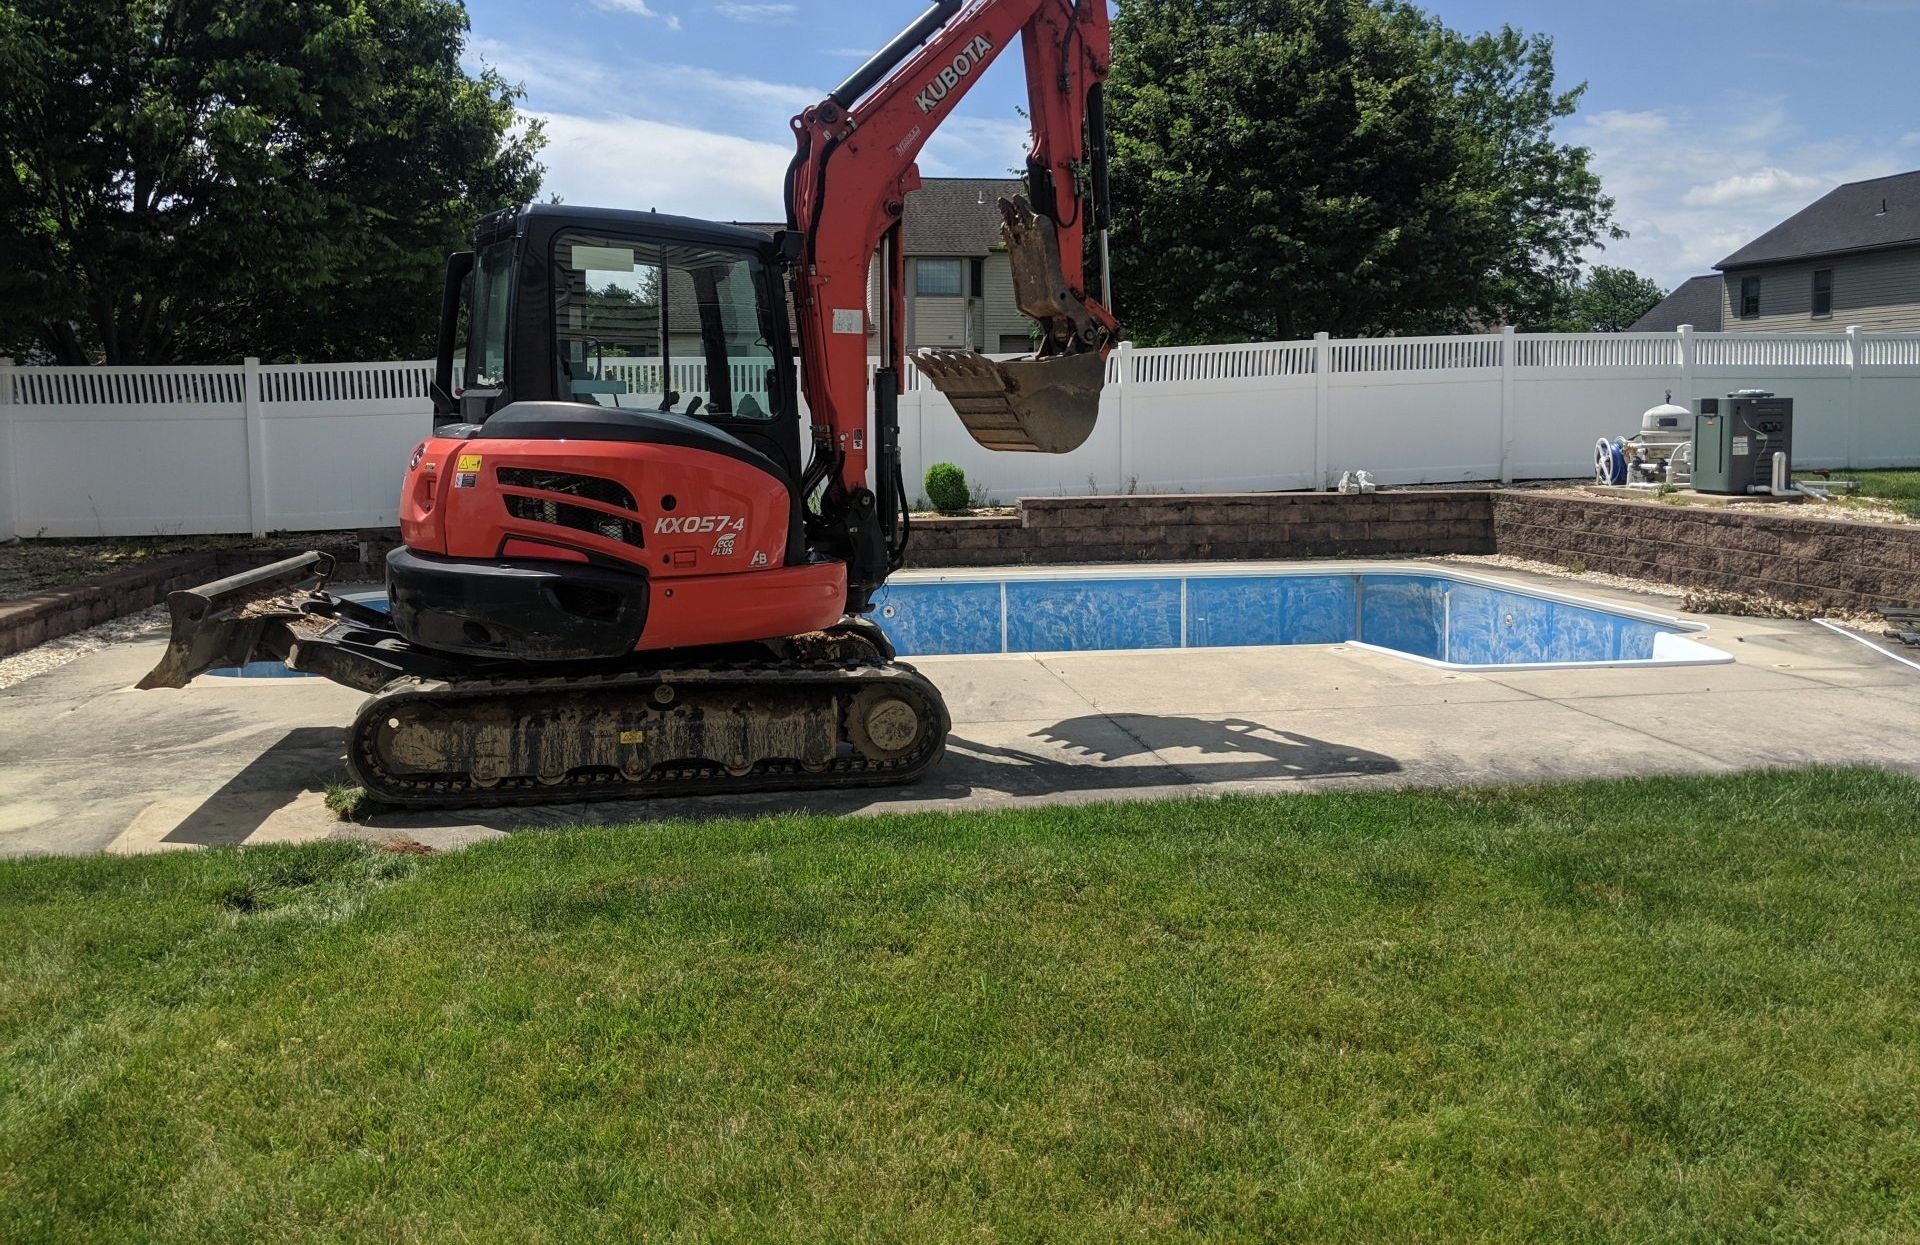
298,447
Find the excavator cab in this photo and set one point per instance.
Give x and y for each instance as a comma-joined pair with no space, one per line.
624,310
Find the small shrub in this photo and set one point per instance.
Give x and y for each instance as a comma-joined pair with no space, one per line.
946,487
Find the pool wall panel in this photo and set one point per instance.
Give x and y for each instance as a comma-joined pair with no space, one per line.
1404,612
929,619
1046,616
1237,610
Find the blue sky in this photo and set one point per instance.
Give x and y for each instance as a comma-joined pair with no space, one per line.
1710,120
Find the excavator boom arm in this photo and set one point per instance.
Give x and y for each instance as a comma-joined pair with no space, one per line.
846,193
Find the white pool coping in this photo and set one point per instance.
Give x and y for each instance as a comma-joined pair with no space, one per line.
1669,650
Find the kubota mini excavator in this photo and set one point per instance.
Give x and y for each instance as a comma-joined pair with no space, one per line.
619,577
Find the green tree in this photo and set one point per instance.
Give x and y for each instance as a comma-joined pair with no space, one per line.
1608,301
1286,166
188,180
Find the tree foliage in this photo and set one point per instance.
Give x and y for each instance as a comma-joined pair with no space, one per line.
190,180
1608,301
1288,166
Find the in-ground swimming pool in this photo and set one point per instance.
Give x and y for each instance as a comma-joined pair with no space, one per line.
1430,614
1439,616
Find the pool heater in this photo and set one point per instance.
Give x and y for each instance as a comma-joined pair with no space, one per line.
1735,439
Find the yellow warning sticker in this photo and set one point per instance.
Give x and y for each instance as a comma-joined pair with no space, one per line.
468,462
633,737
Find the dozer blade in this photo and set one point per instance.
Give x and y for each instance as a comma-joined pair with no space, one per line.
241,618
1041,406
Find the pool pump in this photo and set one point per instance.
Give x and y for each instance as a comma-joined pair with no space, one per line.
1660,453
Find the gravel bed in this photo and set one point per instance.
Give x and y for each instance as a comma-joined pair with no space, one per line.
35,565
56,653
1690,600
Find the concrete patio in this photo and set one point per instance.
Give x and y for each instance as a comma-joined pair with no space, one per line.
93,765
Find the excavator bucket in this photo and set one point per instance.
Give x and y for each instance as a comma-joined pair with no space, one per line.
1041,406
1044,404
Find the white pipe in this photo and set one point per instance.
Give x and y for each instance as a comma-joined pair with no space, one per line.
1782,486
1884,652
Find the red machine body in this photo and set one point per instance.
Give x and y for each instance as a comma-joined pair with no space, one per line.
726,517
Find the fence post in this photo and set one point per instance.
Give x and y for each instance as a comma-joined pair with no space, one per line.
1509,347
7,530
1854,406
1123,364
1688,347
256,448
1322,412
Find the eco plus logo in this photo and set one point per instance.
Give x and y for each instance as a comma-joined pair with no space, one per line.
723,548
969,59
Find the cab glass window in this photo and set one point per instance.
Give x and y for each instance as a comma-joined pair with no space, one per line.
488,307
664,326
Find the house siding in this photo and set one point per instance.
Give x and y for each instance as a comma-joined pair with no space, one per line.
1001,317
1878,291
937,319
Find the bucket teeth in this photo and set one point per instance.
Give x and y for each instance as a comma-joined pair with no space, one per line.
1035,405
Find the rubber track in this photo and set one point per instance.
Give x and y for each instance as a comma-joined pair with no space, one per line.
769,775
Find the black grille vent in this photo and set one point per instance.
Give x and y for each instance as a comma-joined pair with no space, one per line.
593,488
579,518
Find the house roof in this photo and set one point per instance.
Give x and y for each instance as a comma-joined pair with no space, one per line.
955,215
1695,301
946,216
1859,216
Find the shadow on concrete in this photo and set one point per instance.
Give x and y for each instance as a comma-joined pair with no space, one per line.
1230,750
1088,755
299,761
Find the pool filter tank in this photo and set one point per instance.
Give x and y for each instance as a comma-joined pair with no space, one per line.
1735,439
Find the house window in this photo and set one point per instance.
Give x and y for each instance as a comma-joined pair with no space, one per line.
977,278
936,277
1749,297
1822,293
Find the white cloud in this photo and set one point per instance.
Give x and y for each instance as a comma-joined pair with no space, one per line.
1692,187
756,12
695,94
1618,122
976,147
633,162
640,7
1768,185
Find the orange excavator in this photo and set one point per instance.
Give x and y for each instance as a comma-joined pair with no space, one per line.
619,576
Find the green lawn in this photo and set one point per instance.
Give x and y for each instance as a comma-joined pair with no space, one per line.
1897,486
1669,1009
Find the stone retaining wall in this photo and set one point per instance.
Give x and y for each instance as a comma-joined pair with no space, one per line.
30,620
1826,562
1219,527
